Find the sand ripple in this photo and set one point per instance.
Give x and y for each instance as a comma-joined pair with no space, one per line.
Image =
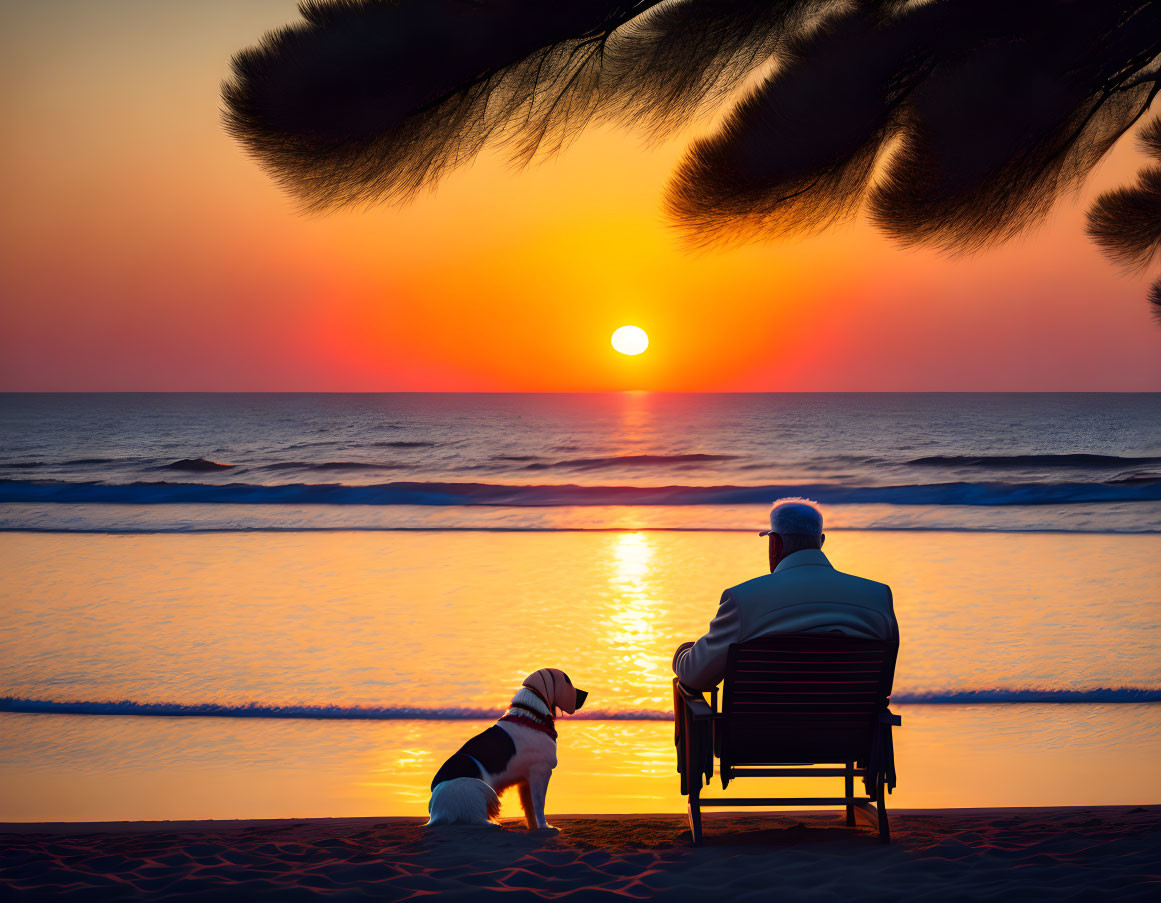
1041,854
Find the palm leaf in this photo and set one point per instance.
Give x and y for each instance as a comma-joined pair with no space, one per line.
1126,222
371,100
953,124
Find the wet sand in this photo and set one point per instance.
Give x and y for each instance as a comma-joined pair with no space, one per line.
1074,853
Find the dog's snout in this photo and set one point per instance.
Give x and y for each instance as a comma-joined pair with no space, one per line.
581,696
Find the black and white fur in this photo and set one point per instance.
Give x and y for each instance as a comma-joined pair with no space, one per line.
466,788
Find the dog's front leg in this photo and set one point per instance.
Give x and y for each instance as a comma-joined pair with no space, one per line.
528,805
538,790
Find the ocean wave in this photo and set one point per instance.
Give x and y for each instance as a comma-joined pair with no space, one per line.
1149,477
1118,695
19,705
91,462
330,465
197,465
548,495
1002,461
614,461
322,443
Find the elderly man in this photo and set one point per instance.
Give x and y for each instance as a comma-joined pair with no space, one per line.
802,594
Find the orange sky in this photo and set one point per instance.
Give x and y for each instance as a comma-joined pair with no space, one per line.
140,250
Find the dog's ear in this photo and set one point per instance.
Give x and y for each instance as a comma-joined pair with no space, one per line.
564,696
554,687
540,683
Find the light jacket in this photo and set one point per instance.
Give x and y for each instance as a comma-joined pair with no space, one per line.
803,595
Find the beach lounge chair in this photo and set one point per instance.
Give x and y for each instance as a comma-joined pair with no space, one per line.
794,706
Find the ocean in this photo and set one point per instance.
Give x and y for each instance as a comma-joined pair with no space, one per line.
1067,462
291,605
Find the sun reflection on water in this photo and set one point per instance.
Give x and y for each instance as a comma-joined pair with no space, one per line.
631,558
635,605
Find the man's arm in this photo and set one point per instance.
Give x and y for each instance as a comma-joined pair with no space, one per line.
894,624
703,665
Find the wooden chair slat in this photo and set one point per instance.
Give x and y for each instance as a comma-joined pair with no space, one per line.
794,688
811,667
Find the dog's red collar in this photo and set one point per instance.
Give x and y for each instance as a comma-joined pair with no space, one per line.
528,722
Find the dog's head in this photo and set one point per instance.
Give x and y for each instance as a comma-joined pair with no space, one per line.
553,686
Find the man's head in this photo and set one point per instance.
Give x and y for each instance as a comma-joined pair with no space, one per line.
795,524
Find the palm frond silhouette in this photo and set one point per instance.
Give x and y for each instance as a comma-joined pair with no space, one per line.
1155,300
953,124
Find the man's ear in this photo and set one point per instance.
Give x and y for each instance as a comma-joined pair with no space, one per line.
821,539
775,550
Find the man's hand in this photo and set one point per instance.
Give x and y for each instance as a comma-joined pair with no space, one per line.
677,654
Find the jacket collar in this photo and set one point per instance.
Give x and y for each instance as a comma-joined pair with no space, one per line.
800,558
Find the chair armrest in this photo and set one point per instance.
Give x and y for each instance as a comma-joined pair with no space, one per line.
881,767
693,730
694,702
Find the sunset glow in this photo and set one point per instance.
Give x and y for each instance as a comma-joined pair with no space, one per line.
502,280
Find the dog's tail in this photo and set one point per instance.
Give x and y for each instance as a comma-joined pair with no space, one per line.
463,801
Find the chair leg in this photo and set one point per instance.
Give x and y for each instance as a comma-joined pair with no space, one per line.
881,806
849,788
695,815
692,784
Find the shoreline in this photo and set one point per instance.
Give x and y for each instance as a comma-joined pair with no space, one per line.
451,528
1051,853
146,826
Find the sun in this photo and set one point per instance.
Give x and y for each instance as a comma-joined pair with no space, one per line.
630,340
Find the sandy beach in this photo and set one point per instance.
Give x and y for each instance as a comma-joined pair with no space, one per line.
1076,853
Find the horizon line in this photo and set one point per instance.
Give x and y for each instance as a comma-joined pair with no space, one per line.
1156,391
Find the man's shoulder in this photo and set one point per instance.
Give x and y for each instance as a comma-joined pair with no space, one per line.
766,584
760,584
864,582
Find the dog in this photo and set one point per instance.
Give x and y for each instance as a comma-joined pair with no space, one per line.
518,750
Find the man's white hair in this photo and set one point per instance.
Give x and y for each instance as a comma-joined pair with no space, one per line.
795,516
